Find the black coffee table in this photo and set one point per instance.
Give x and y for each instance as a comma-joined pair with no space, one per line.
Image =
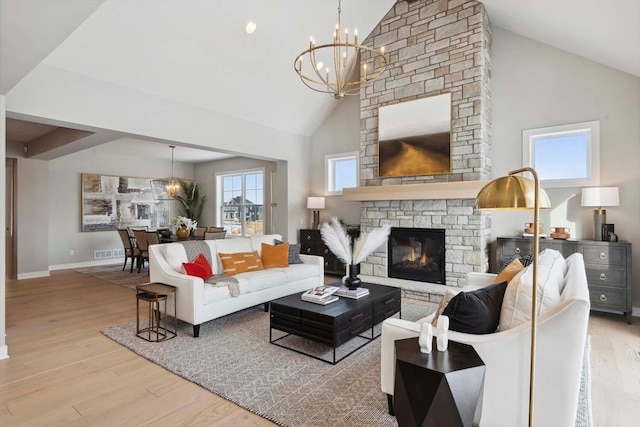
335,323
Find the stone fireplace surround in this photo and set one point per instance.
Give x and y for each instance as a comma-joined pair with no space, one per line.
433,47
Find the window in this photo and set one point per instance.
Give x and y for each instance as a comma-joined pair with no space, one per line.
564,156
341,171
240,202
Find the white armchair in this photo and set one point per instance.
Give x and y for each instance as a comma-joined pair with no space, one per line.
561,335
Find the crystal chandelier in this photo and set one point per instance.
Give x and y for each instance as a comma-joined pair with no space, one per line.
339,77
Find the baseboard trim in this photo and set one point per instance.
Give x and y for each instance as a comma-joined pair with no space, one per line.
4,352
33,275
84,264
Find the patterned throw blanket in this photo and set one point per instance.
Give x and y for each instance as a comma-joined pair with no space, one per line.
193,248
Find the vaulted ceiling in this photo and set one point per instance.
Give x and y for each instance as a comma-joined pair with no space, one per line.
197,53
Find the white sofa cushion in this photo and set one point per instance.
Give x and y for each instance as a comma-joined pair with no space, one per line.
298,271
215,294
516,305
258,280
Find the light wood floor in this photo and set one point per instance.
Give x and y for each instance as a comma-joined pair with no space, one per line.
64,372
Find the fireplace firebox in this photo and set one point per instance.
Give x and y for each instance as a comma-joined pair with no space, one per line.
416,254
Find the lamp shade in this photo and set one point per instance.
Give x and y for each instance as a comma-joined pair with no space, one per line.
600,196
315,202
511,192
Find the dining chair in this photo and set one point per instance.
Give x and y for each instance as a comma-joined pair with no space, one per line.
213,235
199,231
143,247
129,250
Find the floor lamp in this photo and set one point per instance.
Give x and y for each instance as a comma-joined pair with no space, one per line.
518,193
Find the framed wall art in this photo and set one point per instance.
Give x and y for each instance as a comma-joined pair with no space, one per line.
110,202
414,137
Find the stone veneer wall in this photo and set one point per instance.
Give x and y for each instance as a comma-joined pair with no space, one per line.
433,47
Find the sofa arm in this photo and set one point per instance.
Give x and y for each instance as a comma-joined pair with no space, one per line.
189,289
392,330
479,280
315,260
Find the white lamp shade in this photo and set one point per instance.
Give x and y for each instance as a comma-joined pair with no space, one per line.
315,202
600,196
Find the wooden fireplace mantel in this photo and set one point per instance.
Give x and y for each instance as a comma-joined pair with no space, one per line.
425,191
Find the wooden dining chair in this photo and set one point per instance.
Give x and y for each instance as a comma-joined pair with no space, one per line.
213,235
199,231
143,247
129,250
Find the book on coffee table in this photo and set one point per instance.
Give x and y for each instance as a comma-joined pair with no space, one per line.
343,291
322,301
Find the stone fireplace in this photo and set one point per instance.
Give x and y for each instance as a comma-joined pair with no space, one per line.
433,47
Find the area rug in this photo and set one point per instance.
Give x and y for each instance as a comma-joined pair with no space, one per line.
114,274
234,359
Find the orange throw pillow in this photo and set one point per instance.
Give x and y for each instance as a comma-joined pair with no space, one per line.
275,256
509,271
240,262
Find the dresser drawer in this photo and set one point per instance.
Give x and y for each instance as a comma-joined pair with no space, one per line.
309,249
607,297
310,236
604,255
615,277
363,325
516,247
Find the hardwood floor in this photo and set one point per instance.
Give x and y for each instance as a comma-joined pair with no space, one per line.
64,372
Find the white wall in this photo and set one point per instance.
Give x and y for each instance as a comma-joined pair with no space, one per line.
535,85
340,133
4,351
64,192
32,218
205,174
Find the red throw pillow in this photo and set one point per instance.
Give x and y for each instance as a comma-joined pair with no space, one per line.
200,267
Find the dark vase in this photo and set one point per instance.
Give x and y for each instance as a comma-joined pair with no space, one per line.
353,281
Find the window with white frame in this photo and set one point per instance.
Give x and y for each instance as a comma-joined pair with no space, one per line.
341,171
564,156
240,202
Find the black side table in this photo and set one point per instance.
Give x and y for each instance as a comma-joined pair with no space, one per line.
439,389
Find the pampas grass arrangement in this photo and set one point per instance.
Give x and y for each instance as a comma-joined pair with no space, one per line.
338,241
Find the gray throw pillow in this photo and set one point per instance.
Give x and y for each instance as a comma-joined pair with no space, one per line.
525,260
294,251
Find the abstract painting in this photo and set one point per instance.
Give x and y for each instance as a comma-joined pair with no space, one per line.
415,137
110,202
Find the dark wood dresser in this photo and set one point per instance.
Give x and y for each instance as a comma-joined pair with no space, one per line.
312,244
608,266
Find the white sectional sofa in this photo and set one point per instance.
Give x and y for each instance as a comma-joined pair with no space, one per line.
561,335
199,302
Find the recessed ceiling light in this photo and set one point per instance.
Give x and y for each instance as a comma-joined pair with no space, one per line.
251,27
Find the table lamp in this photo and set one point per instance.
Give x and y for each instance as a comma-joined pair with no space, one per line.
315,203
518,193
600,196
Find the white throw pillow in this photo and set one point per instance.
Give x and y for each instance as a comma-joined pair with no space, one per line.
516,305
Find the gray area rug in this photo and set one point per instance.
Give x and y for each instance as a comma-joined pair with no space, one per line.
234,359
114,274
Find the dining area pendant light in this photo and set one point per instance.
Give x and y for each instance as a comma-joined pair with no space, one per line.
332,68
168,188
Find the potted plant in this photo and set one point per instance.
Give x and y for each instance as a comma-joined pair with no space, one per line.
191,202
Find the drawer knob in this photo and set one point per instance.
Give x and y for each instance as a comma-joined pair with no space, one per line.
326,264
308,237
326,251
603,297
308,250
603,276
603,255
517,250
